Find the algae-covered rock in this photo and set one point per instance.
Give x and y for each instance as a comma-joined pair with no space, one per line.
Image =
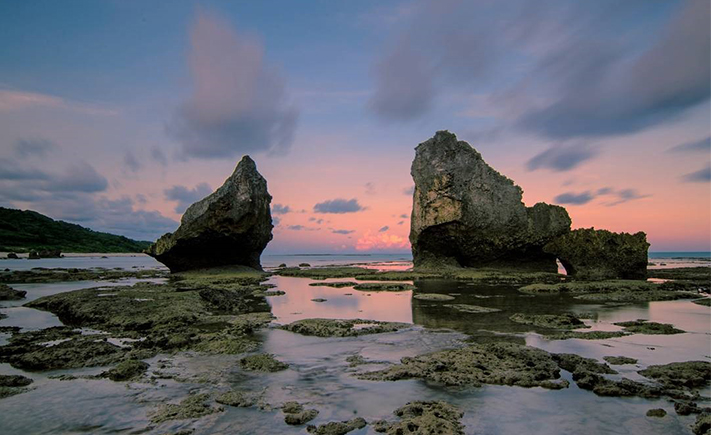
579,365
14,381
467,214
262,362
472,309
702,424
296,415
600,254
342,327
688,374
652,328
556,321
337,427
325,272
657,412
334,284
687,407
423,418
381,286
194,406
231,226
433,297
8,293
591,335
610,291
620,360
242,399
126,371
491,363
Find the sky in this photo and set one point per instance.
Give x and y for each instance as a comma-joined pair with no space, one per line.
117,115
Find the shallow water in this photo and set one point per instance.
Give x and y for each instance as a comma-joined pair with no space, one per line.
320,376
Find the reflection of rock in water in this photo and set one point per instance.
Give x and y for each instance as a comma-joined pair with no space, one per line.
483,326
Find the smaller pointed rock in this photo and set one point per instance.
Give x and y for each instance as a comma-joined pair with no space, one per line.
231,226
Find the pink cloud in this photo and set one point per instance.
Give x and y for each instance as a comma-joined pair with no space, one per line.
381,242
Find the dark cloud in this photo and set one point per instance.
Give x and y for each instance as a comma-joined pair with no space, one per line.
561,158
383,229
404,216
185,196
566,69
571,198
338,206
625,195
11,169
159,156
409,190
280,209
701,176
33,147
131,162
275,220
401,223
301,228
615,197
239,103
696,146
342,231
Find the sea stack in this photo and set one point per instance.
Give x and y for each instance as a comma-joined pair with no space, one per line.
231,226
590,254
466,214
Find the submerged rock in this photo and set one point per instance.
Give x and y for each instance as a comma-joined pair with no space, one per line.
231,226
600,254
652,328
14,381
8,293
126,371
337,427
423,418
296,415
240,399
342,327
657,412
556,321
467,214
262,362
194,406
619,360
492,363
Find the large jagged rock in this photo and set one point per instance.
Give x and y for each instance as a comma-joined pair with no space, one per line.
231,226
467,214
600,254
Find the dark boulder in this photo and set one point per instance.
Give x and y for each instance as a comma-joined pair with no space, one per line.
231,226
8,293
467,214
600,254
12,255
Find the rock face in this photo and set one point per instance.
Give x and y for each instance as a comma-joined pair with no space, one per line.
231,226
600,254
467,214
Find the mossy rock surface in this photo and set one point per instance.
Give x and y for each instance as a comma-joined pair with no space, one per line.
555,321
493,363
337,427
652,328
126,371
342,327
262,362
192,407
384,287
436,417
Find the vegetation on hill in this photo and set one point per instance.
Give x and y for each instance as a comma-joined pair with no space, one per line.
23,231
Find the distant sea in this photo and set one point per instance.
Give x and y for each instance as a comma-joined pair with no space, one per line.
696,254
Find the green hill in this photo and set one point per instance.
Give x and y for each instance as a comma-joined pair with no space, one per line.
23,231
